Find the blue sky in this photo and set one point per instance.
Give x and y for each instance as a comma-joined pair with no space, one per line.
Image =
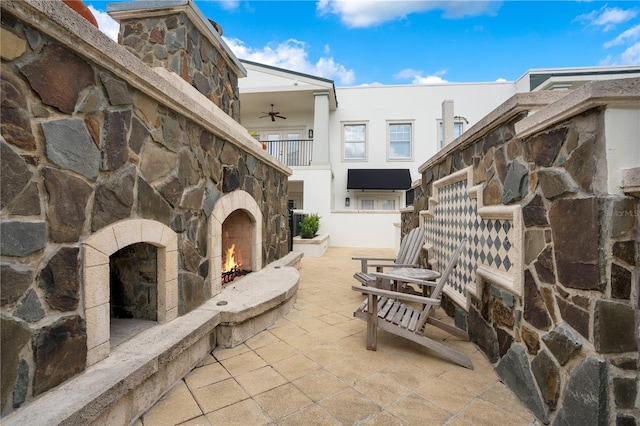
359,42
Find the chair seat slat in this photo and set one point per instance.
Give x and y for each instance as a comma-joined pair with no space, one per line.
407,317
393,311
401,310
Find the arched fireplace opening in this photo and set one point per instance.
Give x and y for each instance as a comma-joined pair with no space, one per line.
133,287
237,246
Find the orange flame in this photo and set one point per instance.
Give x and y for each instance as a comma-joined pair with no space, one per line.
230,260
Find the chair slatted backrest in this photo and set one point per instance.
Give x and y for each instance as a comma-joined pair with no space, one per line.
410,247
437,290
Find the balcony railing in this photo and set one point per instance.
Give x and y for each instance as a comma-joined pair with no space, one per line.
291,152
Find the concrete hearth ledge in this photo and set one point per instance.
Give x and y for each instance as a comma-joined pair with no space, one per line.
141,370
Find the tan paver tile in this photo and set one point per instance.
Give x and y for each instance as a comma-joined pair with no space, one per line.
384,419
329,334
471,380
447,395
224,353
287,331
312,324
276,352
206,375
261,339
500,395
209,359
303,341
415,410
177,389
350,371
282,401
297,314
480,413
218,395
319,385
172,410
243,413
311,415
382,390
295,366
260,380
334,318
198,421
350,407
325,354
457,421
242,363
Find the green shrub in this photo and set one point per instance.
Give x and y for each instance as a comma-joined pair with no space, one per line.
309,225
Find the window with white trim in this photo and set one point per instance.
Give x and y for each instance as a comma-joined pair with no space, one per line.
378,201
458,129
400,138
354,141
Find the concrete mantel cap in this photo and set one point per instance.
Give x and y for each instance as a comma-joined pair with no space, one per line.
58,21
623,92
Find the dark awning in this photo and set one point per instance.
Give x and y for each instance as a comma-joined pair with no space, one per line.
379,179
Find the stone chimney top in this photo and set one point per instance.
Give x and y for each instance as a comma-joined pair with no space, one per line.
175,35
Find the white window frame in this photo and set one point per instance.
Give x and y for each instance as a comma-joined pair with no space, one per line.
390,123
458,123
378,199
344,124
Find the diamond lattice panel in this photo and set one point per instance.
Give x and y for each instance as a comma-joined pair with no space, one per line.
454,216
489,241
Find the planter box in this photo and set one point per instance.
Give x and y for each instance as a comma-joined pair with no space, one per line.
311,247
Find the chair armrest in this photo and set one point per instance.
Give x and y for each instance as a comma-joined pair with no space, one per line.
393,277
382,265
396,295
364,267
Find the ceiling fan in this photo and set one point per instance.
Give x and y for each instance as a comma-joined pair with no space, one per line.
273,114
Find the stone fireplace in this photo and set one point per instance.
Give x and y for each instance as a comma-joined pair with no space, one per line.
137,159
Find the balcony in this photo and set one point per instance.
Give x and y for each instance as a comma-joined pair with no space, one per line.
291,152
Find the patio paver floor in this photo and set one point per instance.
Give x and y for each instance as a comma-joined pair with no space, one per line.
312,368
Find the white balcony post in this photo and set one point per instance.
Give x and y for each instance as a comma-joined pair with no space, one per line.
321,129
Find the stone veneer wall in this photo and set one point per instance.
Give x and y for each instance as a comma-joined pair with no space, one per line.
92,137
567,342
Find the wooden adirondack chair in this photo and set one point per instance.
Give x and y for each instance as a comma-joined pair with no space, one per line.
408,255
407,315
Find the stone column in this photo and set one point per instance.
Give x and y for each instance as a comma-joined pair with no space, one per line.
447,122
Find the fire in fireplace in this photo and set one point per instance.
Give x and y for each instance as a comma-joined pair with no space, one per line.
232,266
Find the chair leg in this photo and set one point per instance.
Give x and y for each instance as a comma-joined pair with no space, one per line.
372,323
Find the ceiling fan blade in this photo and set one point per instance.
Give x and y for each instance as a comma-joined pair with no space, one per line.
279,116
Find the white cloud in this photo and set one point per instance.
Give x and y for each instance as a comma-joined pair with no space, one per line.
631,56
229,4
630,35
367,13
292,55
106,23
417,77
607,17
501,80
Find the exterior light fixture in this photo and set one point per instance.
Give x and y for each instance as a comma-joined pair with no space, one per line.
347,202
310,133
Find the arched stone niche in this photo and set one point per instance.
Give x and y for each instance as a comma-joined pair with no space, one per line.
95,260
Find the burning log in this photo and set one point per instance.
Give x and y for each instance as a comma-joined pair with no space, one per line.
231,268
